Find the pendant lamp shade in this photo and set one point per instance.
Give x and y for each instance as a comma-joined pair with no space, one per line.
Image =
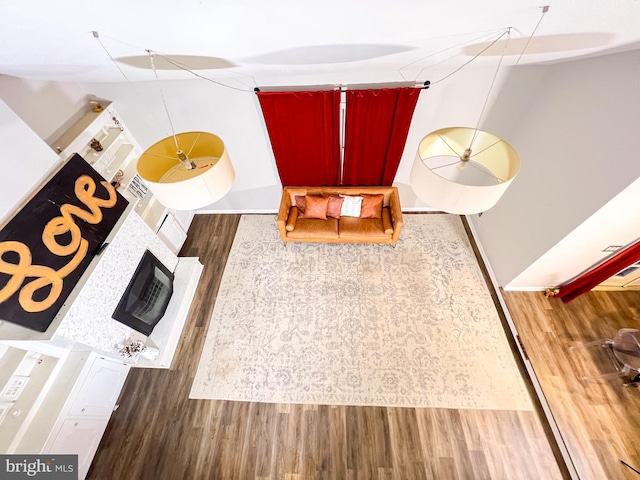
162,167
463,170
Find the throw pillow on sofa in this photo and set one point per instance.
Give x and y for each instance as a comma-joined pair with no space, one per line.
334,208
371,206
300,203
316,206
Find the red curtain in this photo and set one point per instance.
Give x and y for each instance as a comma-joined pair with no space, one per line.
375,134
304,128
599,274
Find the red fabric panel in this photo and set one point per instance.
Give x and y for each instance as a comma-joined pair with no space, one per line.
375,134
599,274
304,128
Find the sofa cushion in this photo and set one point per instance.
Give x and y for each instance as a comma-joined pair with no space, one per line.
371,206
316,206
362,227
313,228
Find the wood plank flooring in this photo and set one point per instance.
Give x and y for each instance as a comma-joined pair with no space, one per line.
158,433
598,419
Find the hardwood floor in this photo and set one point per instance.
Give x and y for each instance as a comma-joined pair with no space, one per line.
158,433
598,419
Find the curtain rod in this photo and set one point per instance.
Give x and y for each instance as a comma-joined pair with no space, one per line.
424,86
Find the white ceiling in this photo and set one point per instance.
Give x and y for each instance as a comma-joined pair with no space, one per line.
247,41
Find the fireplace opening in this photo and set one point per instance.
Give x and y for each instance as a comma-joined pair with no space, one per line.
146,298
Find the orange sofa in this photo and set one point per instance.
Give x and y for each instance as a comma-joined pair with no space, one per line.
293,227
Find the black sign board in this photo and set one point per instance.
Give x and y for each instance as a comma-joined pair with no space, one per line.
46,246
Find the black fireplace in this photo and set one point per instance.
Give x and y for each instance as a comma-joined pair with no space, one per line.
146,298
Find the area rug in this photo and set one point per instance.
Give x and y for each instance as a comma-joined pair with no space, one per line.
411,326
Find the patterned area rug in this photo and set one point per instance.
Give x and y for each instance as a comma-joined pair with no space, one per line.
358,324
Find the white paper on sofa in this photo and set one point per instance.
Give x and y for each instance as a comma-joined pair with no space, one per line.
351,206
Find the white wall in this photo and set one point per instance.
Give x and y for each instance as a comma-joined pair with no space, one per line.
26,160
236,117
576,137
32,115
614,224
48,108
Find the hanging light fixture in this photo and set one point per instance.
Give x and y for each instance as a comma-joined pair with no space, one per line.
463,170
191,180
186,171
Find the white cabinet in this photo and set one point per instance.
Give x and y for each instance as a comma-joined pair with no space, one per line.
32,394
64,404
174,228
78,436
172,233
86,412
98,392
183,217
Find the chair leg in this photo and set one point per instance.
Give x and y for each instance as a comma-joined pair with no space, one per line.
634,382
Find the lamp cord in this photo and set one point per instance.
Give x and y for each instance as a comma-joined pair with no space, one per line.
493,81
485,34
181,67
545,9
96,35
164,103
472,59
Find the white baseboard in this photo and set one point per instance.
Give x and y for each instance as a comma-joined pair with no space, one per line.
253,211
419,210
524,289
